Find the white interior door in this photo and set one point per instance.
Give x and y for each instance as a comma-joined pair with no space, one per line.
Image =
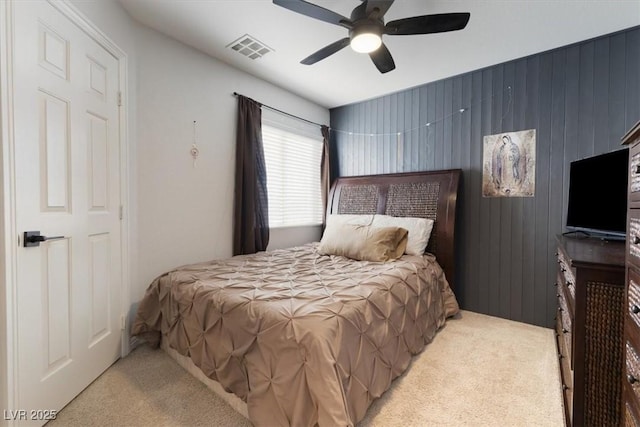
67,163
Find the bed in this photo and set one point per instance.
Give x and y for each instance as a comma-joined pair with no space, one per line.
308,339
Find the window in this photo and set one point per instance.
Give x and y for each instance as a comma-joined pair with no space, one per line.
292,157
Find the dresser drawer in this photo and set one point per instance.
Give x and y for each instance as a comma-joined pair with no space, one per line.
632,371
633,298
563,335
634,176
633,242
565,325
567,277
566,372
567,395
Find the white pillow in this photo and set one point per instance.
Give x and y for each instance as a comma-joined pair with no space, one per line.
334,220
419,230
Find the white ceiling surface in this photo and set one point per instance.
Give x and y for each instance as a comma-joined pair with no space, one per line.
498,31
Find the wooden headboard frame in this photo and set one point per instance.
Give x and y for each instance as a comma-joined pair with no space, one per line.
430,194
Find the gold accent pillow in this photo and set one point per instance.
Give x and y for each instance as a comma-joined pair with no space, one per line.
363,242
419,231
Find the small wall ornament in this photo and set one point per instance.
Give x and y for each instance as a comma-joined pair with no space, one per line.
509,164
195,151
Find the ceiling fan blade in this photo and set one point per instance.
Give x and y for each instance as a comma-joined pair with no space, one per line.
326,51
313,11
382,5
427,24
382,59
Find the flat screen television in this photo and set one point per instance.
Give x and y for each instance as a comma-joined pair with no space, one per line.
598,195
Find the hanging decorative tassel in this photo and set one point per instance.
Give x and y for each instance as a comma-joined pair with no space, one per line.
195,152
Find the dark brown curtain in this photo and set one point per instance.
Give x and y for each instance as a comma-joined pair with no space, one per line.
325,170
251,209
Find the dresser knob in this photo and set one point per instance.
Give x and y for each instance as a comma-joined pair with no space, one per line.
564,331
560,356
635,309
632,379
564,270
636,240
555,284
565,387
560,309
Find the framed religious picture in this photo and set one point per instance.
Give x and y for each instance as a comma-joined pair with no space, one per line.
509,164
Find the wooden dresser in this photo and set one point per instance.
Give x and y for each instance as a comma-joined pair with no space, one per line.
631,343
589,328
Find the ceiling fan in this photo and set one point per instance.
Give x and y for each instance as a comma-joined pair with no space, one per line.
366,27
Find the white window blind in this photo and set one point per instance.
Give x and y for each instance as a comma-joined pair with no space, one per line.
292,157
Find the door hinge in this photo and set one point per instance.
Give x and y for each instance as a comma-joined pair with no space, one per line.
123,322
119,99
121,212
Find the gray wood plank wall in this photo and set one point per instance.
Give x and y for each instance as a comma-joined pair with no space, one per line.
581,99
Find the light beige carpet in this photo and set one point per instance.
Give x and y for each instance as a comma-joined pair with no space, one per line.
478,371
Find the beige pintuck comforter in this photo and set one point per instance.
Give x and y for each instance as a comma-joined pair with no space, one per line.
303,338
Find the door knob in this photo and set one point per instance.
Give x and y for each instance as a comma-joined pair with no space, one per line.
33,238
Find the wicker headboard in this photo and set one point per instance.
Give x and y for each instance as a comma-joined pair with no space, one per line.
416,194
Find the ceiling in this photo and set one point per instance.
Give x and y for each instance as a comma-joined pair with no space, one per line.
498,31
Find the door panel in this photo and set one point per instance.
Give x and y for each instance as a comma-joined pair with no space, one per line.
98,164
100,288
56,293
54,153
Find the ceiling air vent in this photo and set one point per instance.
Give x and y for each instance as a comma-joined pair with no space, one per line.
250,47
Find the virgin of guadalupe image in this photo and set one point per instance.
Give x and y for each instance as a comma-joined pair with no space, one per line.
507,166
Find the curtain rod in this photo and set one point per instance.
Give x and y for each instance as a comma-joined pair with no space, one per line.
282,112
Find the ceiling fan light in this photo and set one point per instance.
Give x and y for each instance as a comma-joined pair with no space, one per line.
366,42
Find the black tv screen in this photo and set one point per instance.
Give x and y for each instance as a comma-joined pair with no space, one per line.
598,194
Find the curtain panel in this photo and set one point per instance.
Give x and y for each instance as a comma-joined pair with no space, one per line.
251,209
325,170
